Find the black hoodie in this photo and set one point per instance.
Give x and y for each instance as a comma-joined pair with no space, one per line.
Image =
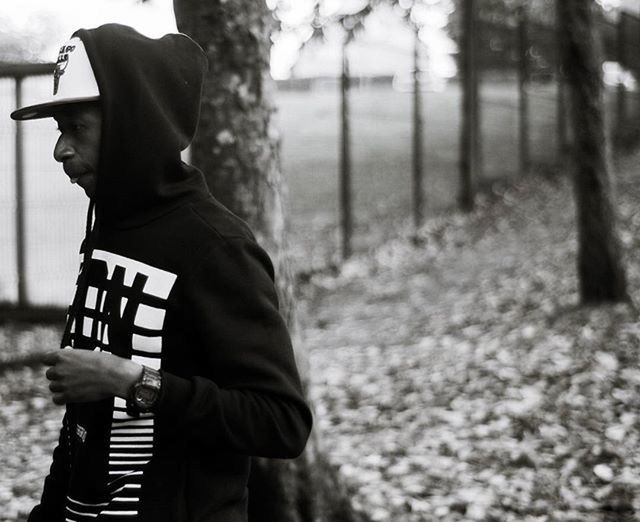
174,281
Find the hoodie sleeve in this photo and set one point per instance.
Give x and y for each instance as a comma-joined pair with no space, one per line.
54,494
248,398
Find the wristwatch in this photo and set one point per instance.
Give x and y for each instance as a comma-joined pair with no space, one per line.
145,392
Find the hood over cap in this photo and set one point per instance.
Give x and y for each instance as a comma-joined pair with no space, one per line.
150,97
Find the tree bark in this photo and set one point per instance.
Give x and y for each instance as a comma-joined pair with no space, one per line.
418,127
237,146
561,95
523,89
601,274
469,129
621,94
346,194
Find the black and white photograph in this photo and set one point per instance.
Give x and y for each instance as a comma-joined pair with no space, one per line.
320,261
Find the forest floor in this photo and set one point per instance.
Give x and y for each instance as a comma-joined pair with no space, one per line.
458,380
454,379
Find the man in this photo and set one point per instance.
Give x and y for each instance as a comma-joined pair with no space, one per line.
177,365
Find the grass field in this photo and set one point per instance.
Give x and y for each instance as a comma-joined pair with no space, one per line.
381,136
381,129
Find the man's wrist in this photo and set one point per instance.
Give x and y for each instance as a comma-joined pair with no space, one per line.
128,374
145,393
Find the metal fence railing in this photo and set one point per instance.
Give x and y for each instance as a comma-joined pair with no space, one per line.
41,216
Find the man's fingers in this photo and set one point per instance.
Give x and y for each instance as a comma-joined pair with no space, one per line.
51,374
54,357
56,387
51,358
59,399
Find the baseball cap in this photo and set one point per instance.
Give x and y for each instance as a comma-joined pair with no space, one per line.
73,82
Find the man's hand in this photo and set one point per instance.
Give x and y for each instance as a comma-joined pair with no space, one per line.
85,376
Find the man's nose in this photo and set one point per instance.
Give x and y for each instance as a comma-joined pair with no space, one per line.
63,149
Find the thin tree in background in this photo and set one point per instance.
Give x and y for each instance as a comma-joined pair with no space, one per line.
600,271
418,156
346,193
353,22
561,95
238,149
523,86
469,131
417,178
621,94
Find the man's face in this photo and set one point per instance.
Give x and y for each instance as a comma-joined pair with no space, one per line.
78,146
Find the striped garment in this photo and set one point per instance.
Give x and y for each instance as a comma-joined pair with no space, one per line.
120,288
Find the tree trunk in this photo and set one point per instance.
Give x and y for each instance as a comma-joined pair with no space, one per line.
237,146
469,130
600,271
346,198
621,94
561,95
523,89
418,184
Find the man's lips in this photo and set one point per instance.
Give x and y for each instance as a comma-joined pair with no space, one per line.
75,170
74,179
75,176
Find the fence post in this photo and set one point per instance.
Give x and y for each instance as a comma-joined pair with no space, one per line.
418,189
469,129
523,84
19,209
346,220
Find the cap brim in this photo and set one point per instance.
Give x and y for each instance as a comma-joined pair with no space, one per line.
48,109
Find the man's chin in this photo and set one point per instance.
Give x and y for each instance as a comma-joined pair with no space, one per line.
88,183
89,191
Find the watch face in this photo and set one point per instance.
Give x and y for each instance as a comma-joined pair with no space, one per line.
145,395
147,390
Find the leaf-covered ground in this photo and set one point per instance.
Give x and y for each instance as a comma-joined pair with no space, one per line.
453,380
29,424
458,380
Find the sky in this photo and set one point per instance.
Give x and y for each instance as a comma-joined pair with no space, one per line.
630,5
384,36
385,47
155,18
